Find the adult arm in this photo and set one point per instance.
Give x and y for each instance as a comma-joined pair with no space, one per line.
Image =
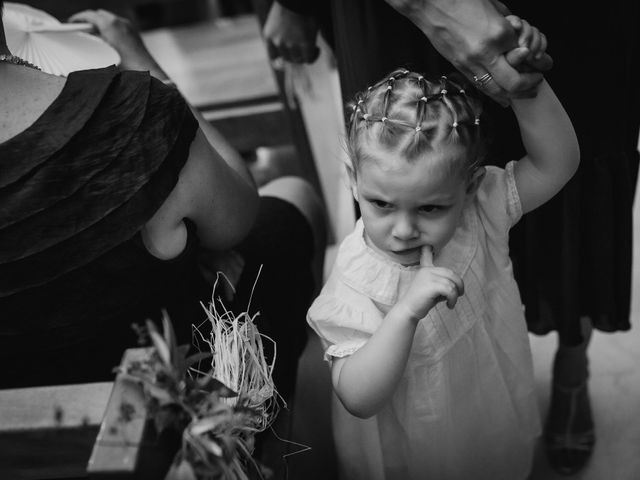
552,148
474,36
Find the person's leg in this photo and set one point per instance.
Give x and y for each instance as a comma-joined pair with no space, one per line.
285,242
569,430
303,196
571,365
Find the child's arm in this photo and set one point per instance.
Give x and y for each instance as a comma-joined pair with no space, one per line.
547,134
365,381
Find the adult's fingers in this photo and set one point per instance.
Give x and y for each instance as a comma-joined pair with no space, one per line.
526,33
517,56
508,78
536,41
514,21
88,16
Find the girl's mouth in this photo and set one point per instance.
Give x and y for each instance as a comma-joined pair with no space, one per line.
407,251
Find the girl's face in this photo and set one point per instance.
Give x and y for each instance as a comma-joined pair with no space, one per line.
408,205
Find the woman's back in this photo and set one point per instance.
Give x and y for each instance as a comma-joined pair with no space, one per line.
96,183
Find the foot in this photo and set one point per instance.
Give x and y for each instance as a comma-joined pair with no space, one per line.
569,433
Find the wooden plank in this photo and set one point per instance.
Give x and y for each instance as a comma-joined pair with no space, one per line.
48,432
216,61
63,406
120,437
128,445
249,128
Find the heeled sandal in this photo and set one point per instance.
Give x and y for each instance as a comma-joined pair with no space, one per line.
569,431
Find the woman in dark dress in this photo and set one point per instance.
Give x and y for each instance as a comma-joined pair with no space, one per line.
111,187
573,256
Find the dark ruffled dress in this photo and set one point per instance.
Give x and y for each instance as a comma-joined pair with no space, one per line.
572,256
75,189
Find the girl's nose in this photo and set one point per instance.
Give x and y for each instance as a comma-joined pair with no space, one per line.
404,228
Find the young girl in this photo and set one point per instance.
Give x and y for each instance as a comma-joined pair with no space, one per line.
421,317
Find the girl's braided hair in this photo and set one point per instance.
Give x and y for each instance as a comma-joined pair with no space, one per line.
409,114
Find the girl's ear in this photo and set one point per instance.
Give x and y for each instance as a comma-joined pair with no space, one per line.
474,182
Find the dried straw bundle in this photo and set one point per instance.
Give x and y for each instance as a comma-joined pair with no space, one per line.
238,360
219,410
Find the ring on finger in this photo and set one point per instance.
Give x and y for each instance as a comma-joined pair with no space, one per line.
483,79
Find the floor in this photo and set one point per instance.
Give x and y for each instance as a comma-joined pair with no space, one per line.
615,376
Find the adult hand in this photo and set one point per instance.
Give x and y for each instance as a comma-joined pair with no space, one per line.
122,36
474,36
291,36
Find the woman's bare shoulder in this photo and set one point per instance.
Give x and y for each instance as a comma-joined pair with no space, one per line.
24,97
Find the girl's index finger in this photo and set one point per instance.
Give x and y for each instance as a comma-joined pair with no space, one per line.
426,257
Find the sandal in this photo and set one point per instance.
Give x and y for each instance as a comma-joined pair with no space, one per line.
569,433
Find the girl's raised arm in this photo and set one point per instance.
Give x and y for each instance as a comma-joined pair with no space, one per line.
552,148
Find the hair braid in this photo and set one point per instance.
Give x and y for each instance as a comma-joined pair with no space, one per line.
405,112
422,103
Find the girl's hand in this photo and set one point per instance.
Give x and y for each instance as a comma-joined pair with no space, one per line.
431,286
532,43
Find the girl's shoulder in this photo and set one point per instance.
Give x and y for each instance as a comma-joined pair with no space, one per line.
497,200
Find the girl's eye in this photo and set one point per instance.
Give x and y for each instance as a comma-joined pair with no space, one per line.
381,204
431,208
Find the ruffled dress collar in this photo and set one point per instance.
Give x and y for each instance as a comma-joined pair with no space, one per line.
383,280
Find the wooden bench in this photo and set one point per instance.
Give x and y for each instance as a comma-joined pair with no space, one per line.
49,432
98,430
